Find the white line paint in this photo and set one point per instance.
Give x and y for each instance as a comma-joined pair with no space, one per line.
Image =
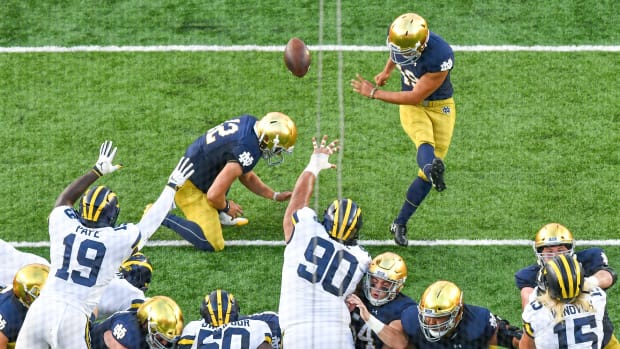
280,48
255,243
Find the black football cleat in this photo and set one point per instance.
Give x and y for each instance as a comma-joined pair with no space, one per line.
437,170
400,233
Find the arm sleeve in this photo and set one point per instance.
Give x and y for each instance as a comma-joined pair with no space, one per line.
153,218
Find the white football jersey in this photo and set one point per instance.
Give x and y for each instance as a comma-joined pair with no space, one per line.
580,329
242,334
317,275
11,260
117,296
84,260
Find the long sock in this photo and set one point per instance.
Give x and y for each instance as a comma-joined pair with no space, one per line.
415,195
424,158
189,230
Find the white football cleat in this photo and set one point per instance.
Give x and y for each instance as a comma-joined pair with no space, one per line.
225,219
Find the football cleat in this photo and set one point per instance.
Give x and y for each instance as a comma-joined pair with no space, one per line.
277,135
400,233
437,170
225,219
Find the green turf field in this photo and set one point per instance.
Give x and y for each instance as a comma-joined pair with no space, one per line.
536,136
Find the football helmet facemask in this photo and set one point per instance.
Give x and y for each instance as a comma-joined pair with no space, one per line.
277,135
563,278
407,38
552,234
99,207
163,320
219,308
386,268
442,300
28,282
137,270
343,220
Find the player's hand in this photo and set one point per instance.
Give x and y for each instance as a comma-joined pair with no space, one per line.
382,78
362,86
319,160
184,170
104,165
354,301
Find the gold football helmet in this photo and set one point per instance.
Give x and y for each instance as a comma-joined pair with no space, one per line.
163,320
28,282
407,38
385,278
277,134
440,309
552,234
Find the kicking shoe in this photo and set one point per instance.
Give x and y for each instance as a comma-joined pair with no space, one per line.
225,219
437,170
400,233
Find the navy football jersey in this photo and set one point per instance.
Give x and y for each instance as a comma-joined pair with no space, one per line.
125,329
12,314
475,330
233,140
437,56
363,335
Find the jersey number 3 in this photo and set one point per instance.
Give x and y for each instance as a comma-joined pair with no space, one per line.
91,261
326,265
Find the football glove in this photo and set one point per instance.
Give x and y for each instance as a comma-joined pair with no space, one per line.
319,160
104,165
181,173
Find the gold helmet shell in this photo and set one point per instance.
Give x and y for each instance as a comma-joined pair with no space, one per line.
389,268
277,134
444,300
163,319
552,234
407,38
28,282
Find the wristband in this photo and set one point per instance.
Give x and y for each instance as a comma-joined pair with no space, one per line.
173,186
372,93
97,172
227,207
375,324
313,170
275,195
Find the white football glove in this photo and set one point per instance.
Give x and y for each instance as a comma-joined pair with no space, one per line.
181,173
104,165
319,160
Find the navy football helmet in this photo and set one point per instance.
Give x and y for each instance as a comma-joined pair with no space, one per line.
563,278
99,207
137,270
343,220
219,308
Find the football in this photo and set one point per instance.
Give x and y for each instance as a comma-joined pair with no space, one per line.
297,57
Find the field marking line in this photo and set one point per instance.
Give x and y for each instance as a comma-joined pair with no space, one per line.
280,48
256,243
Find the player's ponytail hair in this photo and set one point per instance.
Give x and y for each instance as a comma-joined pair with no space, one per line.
557,307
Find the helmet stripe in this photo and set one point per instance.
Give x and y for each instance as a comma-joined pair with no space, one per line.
334,231
220,316
568,271
91,214
228,308
345,219
138,263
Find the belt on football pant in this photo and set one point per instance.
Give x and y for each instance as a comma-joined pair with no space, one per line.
427,103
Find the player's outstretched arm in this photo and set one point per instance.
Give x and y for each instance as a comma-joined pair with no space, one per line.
152,219
319,160
102,167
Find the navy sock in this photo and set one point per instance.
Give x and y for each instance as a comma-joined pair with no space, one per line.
189,230
424,158
415,195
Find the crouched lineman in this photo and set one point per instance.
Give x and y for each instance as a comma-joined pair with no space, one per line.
375,319
220,327
441,320
15,301
157,324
